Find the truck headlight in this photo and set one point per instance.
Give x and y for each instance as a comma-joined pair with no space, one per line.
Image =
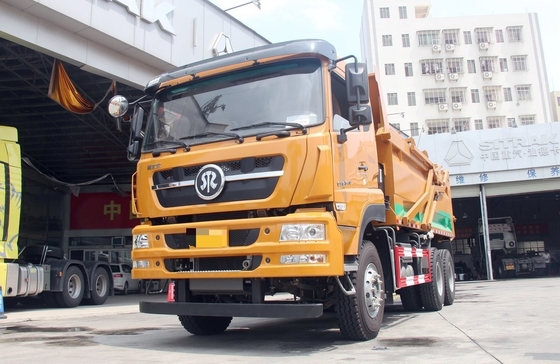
140,241
298,232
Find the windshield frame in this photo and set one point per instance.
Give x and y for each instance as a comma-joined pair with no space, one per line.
299,78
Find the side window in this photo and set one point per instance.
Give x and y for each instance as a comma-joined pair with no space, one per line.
340,103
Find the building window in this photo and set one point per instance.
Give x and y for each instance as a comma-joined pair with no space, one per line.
503,65
491,93
488,64
450,36
475,97
411,96
527,119
558,101
389,69
458,94
461,124
431,66
428,38
402,12
511,123
523,92
507,94
405,40
495,122
499,36
483,35
515,34
455,65
468,37
437,126
384,13
408,70
392,99
519,63
387,41
414,131
478,124
435,96
471,66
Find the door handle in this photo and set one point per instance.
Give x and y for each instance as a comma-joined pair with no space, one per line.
363,168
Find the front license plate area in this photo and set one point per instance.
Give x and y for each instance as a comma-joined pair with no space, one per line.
207,238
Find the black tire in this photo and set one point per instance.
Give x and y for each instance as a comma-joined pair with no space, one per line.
410,298
433,293
100,287
205,325
125,289
448,276
361,314
72,288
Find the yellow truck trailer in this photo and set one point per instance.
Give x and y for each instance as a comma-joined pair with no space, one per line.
274,172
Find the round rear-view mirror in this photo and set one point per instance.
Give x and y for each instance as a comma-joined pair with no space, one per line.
118,106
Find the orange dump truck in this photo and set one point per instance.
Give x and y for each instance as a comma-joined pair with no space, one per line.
271,184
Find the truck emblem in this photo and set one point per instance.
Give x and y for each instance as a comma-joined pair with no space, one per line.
209,182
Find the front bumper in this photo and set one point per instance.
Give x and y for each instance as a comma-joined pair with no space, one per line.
212,260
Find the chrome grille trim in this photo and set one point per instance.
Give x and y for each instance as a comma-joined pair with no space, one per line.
237,177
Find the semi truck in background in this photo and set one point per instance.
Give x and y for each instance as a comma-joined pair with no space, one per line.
270,183
503,245
39,272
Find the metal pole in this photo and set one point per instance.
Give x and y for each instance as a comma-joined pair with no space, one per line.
486,234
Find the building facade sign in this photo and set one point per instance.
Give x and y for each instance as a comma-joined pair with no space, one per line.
150,12
497,155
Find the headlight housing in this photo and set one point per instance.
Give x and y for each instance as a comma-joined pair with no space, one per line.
299,232
140,241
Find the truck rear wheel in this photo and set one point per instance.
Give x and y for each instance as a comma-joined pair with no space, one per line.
72,288
205,325
99,287
448,276
410,298
360,315
433,293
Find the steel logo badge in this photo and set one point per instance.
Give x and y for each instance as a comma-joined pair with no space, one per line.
209,182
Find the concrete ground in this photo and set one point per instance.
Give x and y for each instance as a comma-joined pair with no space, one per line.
509,321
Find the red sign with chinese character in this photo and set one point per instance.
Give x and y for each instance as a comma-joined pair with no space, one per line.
531,229
101,211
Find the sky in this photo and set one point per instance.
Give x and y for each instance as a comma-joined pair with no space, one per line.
339,21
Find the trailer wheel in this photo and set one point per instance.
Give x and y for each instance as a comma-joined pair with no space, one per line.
410,298
205,325
72,288
433,293
100,287
360,315
448,276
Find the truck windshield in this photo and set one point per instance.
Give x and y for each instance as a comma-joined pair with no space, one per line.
248,102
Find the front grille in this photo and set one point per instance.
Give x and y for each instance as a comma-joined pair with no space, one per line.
241,237
220,264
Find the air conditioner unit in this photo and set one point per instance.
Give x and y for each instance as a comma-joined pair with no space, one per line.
491,104
487,74
436,48
457,105
442,107
117,241
450,47
510,244
483,46
440,77
454,76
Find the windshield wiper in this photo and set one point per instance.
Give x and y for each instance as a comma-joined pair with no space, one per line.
239,138
169,146
272,123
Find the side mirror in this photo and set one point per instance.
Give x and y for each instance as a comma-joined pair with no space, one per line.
357,91
136,136
118,106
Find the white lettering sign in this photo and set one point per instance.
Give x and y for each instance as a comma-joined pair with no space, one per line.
150,12
507,143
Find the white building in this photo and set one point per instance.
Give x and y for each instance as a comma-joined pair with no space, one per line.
458,73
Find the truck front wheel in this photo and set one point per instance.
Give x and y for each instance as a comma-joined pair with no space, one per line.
205,325
72,288
360,315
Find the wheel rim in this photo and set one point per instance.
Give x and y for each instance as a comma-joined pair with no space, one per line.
74,286
101,285
372,290
439,278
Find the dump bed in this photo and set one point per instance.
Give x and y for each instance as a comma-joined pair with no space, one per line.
416,189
